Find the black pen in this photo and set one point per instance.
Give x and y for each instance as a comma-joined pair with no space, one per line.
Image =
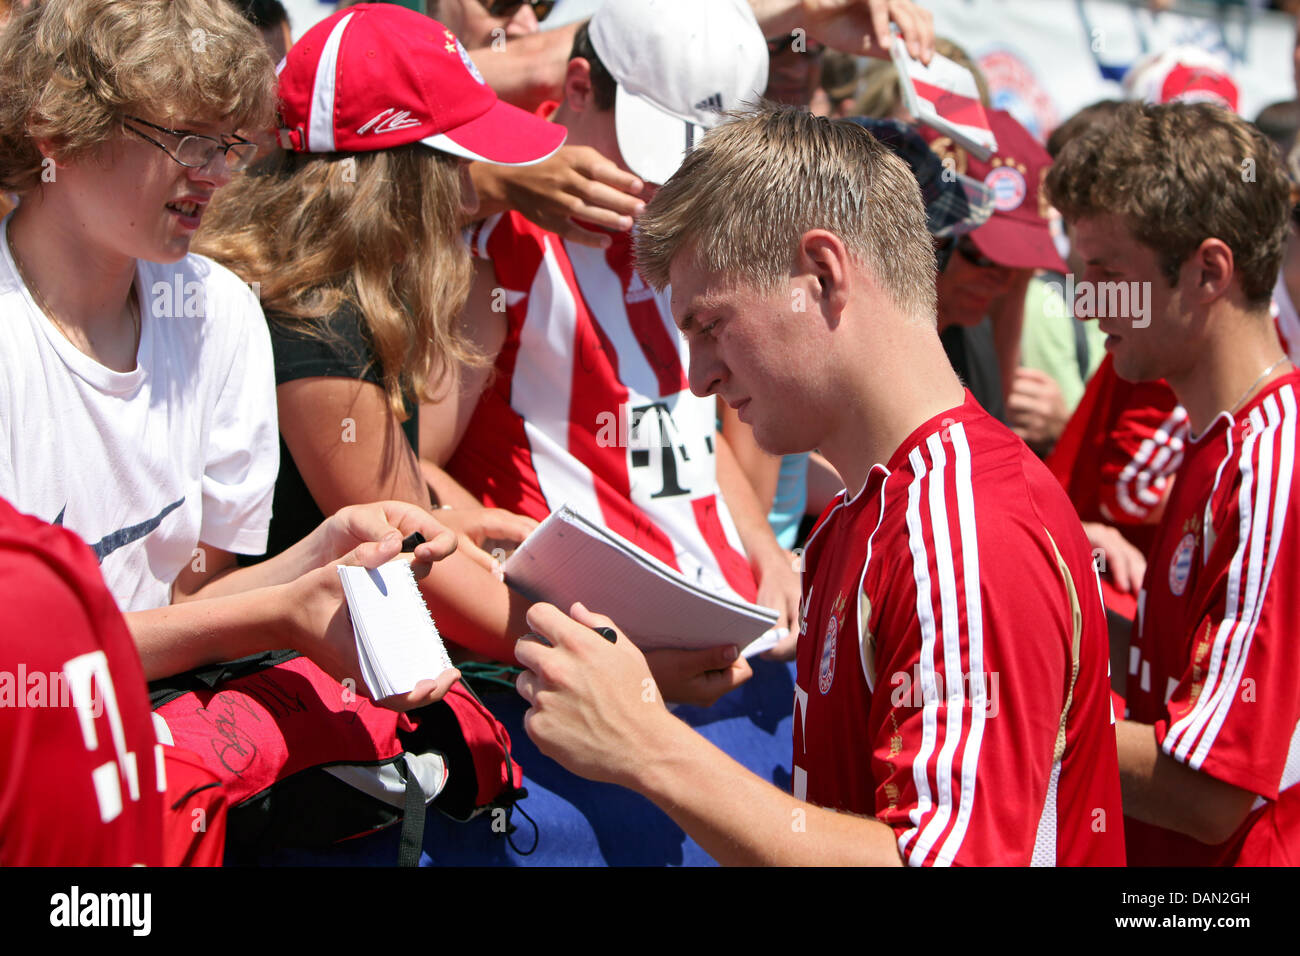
608,633
412,541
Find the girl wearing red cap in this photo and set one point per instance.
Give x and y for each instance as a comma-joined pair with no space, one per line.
353,238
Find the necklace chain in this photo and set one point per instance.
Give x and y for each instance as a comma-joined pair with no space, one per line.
133,302
1246,395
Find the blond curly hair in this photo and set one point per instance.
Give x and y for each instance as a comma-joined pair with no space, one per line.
71,69
377,231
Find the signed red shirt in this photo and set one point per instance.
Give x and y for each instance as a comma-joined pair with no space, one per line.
1215,660
952,676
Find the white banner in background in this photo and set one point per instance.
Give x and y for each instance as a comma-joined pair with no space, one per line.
1044,59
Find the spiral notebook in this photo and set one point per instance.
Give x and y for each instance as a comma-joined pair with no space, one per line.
397,642
568,558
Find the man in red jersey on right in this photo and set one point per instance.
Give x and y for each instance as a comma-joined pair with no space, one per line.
951,704
1192,201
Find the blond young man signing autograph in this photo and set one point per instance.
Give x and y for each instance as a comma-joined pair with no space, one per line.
956,569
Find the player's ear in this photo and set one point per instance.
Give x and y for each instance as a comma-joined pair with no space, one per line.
1213,265
823,257
578,95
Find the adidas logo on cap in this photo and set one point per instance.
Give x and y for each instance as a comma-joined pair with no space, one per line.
713,102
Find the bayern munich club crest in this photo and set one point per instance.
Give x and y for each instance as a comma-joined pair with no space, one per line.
1180,568
1008,187
826,673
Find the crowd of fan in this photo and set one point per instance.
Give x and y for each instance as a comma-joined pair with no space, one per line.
391,323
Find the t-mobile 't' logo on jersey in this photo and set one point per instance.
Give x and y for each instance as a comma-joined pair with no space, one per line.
660,455
654,444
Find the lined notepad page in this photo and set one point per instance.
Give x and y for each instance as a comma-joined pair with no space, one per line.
568,558
397,641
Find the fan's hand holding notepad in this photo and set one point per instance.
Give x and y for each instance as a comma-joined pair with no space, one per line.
397,643
568,558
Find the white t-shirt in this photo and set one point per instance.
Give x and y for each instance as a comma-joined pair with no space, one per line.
144,464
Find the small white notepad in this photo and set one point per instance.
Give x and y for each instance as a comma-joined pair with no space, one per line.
397,642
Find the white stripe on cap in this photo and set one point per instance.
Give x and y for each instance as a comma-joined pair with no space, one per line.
444,143
320,129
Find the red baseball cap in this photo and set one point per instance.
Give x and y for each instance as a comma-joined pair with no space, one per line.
1184,74
377,75
1017,234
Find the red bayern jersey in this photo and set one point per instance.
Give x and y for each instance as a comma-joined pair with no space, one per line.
590,406
1215,663
1119,451
81,770
952,662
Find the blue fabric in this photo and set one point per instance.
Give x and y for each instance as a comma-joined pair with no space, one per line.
791,499
580,823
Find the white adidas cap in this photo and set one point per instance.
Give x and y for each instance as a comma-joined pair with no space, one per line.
678,64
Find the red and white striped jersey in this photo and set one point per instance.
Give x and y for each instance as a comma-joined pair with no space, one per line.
1215,660
1119,450
953,676
590,406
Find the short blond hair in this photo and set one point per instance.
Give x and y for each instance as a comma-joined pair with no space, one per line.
743,198
71,69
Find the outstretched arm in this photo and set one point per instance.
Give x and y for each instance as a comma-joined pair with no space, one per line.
596,709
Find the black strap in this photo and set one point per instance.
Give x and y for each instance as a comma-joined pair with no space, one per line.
412,838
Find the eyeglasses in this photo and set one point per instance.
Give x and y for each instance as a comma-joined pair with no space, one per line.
196,150
505,8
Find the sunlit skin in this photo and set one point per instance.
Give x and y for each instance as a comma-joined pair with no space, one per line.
748,347
103,212
475,26
796,375
588,125
278,39
792,77
1107,252
967,291
1203,338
